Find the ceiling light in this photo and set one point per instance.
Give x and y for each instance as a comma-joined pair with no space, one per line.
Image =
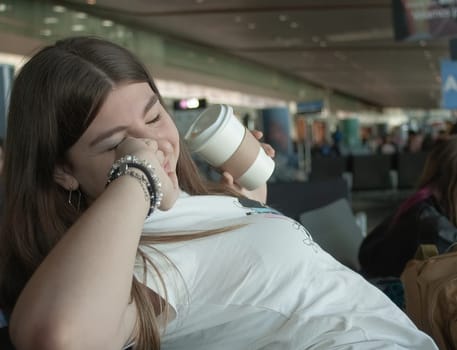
91,2
316,39
294,25
59,9
120,33
81,15
237,19
251,26
3,7
283,18
199,1
107,23
323,44
78,27
50,20
46,32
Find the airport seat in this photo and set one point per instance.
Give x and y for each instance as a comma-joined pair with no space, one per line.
334,228
294,198
372,172
409,168
327,167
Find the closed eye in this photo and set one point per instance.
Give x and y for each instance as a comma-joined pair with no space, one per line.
115,146
153,120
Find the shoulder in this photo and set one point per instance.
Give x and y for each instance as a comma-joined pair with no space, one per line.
429,211
434,222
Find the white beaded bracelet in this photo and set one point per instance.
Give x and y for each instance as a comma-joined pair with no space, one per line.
154,186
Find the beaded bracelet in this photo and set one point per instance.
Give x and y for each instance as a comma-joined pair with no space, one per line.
143,181
152,181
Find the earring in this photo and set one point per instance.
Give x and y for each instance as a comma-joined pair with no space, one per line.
78,204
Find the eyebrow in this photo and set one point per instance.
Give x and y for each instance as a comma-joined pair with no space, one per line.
151,102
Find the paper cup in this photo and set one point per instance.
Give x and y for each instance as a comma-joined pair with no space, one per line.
219,137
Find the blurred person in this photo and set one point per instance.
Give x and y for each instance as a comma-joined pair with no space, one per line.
414,142
387,146
453,129
111,239
429,216
337,138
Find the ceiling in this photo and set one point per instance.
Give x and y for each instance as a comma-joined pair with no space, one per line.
342,45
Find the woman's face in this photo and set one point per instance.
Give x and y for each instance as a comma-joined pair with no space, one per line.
130,110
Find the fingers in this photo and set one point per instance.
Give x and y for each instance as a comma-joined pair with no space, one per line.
149,151
270,151
141,148
257,134
227,178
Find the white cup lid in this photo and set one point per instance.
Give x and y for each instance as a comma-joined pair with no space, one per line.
206,125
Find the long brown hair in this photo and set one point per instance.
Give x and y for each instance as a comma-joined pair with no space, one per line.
440,175
54,99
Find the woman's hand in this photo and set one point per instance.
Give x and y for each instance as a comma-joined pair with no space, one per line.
259,194
270,151
148,150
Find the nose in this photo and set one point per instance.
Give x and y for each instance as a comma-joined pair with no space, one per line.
144,132
164,145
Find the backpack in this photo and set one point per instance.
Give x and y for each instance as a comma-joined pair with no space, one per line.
430,290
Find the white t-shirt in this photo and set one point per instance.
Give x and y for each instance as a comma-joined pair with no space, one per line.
265,285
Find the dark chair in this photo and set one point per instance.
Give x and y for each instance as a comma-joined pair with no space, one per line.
372,172
323,168
295,198
410,166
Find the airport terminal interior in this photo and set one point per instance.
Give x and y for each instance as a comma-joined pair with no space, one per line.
339,88
351,94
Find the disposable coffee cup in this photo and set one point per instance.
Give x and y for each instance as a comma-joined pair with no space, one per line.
219,137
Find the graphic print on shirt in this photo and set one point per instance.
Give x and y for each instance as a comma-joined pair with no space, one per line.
307,238
254,207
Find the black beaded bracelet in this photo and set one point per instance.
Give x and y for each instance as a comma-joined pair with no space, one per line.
120,168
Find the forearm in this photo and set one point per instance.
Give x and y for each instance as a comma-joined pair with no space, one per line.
82,287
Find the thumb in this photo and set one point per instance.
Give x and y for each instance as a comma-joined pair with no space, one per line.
227,178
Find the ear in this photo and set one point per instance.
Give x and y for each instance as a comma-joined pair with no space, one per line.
65,179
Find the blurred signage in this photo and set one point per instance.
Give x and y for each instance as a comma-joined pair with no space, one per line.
310,106
424,19
449,84
189,103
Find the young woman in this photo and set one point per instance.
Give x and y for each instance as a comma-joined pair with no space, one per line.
111,238
429,216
